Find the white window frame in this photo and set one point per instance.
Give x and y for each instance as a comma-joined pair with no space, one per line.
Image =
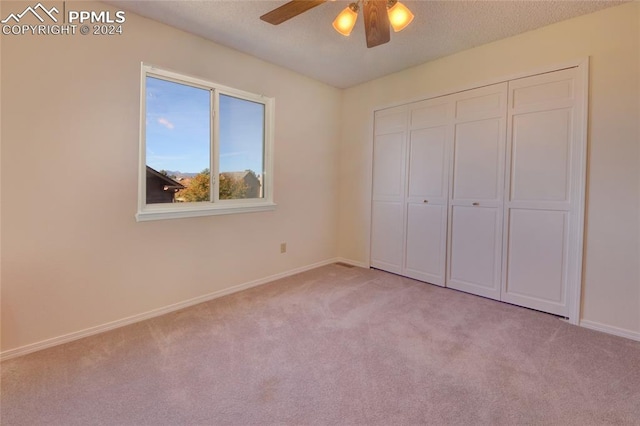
216,206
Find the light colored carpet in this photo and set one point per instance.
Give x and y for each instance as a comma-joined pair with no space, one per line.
334,345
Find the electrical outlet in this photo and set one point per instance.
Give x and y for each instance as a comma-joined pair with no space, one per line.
283,247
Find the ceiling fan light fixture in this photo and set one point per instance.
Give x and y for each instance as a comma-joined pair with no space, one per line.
346,20
399,15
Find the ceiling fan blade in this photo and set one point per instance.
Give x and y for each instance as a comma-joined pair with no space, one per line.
289,10
376,22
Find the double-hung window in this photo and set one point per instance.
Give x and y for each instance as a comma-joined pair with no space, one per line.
205,149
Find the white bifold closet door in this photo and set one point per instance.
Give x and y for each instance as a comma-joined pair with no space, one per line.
427,190
543,207
410,190
389,182
476,191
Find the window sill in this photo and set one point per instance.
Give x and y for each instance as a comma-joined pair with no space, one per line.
162,213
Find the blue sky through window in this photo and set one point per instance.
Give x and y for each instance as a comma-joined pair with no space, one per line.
178,129
241,135
178,126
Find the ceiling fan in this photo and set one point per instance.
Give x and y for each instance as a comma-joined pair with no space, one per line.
379,15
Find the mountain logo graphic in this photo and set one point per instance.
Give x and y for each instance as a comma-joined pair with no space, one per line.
34,11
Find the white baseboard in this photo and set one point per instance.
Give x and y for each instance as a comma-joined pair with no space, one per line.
616,331
352,262
44,344
48,343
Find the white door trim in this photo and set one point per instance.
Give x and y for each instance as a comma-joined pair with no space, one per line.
574,287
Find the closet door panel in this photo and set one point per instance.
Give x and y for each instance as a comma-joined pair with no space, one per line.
427,167
388,165
479,153
477,104
540,153
473,250
476,196
537,255
545,190
389,182
392,120
427,190
430,113
426,230
387,246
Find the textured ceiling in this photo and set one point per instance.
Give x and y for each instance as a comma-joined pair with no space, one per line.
309,45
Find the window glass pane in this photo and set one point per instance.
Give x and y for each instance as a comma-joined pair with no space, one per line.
178,134
241,148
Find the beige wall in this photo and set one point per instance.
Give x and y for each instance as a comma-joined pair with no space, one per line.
611,286
73,255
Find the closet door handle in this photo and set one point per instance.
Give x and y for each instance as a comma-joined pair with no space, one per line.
475,204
